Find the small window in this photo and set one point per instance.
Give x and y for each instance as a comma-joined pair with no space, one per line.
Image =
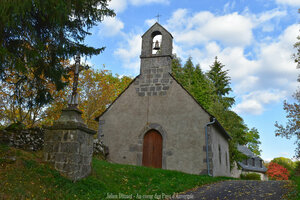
245,162
261,163
226,157
253,162
220,157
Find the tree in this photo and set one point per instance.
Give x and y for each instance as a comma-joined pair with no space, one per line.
292,127
285,162
205,92
97,89
252,138
221,81
195,81
277,172
35,35
16,107
236,128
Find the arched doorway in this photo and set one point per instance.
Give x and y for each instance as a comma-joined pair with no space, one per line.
152,149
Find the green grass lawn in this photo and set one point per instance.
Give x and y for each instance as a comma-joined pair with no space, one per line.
28,177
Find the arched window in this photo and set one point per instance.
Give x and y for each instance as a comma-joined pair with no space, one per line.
156,42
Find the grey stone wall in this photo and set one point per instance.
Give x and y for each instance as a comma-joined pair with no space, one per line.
179,119
218,140
154,80
27,139
210,152
156,101
69,145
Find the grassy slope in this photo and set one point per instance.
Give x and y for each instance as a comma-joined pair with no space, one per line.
295,194
29,177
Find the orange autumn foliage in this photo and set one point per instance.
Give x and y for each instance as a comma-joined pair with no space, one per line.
97,89
17,97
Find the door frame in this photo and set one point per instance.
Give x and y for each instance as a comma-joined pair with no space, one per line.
158,145
163,133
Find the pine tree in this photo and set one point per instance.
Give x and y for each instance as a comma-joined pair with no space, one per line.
221,81
37,35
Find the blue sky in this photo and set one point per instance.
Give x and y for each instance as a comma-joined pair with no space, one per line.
253,39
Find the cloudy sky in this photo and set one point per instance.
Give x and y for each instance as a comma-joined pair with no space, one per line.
253,39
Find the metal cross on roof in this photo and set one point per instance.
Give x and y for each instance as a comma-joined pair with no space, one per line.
76,68
158,15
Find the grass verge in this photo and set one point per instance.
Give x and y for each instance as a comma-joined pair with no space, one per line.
24,175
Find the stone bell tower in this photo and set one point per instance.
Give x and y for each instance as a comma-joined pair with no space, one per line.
156,62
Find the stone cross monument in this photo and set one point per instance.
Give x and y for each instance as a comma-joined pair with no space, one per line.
69,143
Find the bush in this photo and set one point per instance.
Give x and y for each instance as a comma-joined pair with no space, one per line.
296,171
277,172
250,176
285,162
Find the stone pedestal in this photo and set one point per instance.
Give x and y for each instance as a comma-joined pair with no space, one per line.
69,145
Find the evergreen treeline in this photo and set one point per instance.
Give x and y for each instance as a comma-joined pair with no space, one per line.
212,89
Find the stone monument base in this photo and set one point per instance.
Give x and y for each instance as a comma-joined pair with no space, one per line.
69,145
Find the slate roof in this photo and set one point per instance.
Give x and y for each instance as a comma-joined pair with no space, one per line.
247,165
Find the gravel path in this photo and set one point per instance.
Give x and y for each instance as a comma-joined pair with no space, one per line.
238,189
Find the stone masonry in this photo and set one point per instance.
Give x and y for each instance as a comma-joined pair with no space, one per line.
154,81
154,78
69,145
155,102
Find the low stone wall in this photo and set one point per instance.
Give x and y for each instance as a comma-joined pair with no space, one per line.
26,139
33,140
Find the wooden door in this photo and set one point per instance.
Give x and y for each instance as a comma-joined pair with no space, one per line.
152,149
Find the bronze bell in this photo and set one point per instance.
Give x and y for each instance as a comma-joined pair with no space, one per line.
156,45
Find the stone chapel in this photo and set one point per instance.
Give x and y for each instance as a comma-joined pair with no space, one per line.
155,122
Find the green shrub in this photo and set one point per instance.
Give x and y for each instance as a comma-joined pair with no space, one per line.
296,171
285,162
250,176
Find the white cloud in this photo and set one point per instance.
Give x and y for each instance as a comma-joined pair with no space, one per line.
130,51
118,5
231,29
268,15
261,69
255,102
111,27
229,6
267,20
250,107
177,20
289,2
143,2
150,22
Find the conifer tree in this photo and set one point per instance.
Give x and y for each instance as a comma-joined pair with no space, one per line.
37,35
221,81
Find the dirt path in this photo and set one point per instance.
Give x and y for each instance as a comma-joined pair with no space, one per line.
238,189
